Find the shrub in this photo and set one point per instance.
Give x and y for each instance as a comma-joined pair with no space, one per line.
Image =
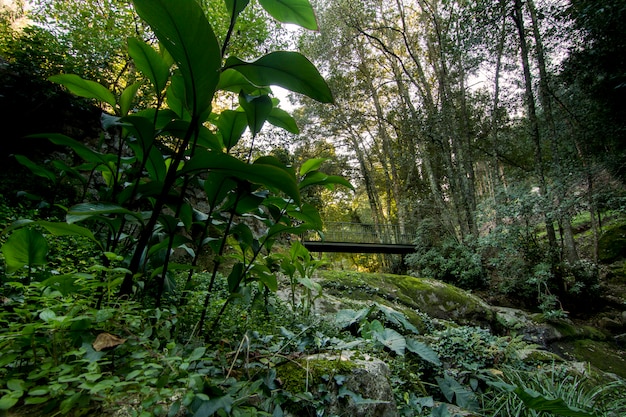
447,259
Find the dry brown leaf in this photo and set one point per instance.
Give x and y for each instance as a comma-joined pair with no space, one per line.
106,341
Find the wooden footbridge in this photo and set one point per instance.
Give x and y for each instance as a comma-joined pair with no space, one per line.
361,238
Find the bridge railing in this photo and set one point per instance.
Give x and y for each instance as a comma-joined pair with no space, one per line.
364,233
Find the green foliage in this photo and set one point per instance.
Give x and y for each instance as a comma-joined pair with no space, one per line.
473,348
366,322
299,266
144,211
551,391
447,259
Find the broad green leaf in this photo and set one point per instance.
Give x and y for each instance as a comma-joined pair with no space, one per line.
175,97
84,88
298,12
310,284
169,223
81,150
200,134
65,284
309,215
207,139
216,187
24,247
235,277
272,160
397,318
17,225
298,250
235,7
36,168
267,278
243,234
246,203
452,390
210,407
85,211
423,351
47,315
392,340
7,401
7,359
182,28
538,402
257,110
69,403
160,117
15,385
264,174
66,229
231,125
127,97
68,170
346,318
141,142
151,64
278,228
197,353
312,164
280,118
319,178
179,240
36,400
368,329
290,70
186,215
234,81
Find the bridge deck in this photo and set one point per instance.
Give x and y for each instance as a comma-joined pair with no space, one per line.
361,238
344,247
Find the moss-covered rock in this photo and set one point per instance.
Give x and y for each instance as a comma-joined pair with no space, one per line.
408,294
299,376
612,244
343,385
600,354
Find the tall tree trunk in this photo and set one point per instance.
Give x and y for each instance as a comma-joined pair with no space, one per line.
569,247
496,173
388,157
518,18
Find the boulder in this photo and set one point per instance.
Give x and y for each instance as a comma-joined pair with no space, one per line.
408,294
342,385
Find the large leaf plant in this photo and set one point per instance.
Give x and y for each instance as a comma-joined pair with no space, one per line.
180,151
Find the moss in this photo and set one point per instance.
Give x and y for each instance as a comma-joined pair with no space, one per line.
536,356
294,375
433,297
602,355
571,331
612,244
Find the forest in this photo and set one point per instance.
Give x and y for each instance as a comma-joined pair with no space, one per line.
163,162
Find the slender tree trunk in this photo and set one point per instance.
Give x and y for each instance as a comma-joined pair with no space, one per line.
496,168
569,244
388,157
518,17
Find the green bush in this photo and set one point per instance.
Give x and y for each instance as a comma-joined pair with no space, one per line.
447,259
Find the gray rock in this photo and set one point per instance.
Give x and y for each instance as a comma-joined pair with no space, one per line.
366,391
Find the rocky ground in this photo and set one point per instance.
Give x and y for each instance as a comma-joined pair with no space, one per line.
596,340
